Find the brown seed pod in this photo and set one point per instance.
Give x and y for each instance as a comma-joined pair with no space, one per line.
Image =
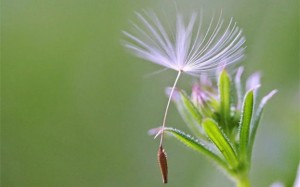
162,160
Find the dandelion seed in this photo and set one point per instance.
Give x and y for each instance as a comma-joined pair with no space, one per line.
190,49
162,160
185,47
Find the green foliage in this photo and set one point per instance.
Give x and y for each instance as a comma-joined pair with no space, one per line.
257,118
224,91
214,132
221,122
194,144
189,106
245,125
189,113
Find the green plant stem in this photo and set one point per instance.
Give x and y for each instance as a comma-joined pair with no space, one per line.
243,181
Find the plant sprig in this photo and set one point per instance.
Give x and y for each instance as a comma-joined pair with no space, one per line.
228,125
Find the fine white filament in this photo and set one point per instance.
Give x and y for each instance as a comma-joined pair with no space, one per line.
185,47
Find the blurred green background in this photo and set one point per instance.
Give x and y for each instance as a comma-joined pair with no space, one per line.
75,106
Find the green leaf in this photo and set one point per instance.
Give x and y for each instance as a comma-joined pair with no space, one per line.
257,118
245,125
224,91
219,139
191,108
209,107
188,112
194,144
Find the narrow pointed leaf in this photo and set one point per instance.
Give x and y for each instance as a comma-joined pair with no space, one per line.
224,91
188,112
191,108
209,107
219,139
245,125
194,144
257,118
